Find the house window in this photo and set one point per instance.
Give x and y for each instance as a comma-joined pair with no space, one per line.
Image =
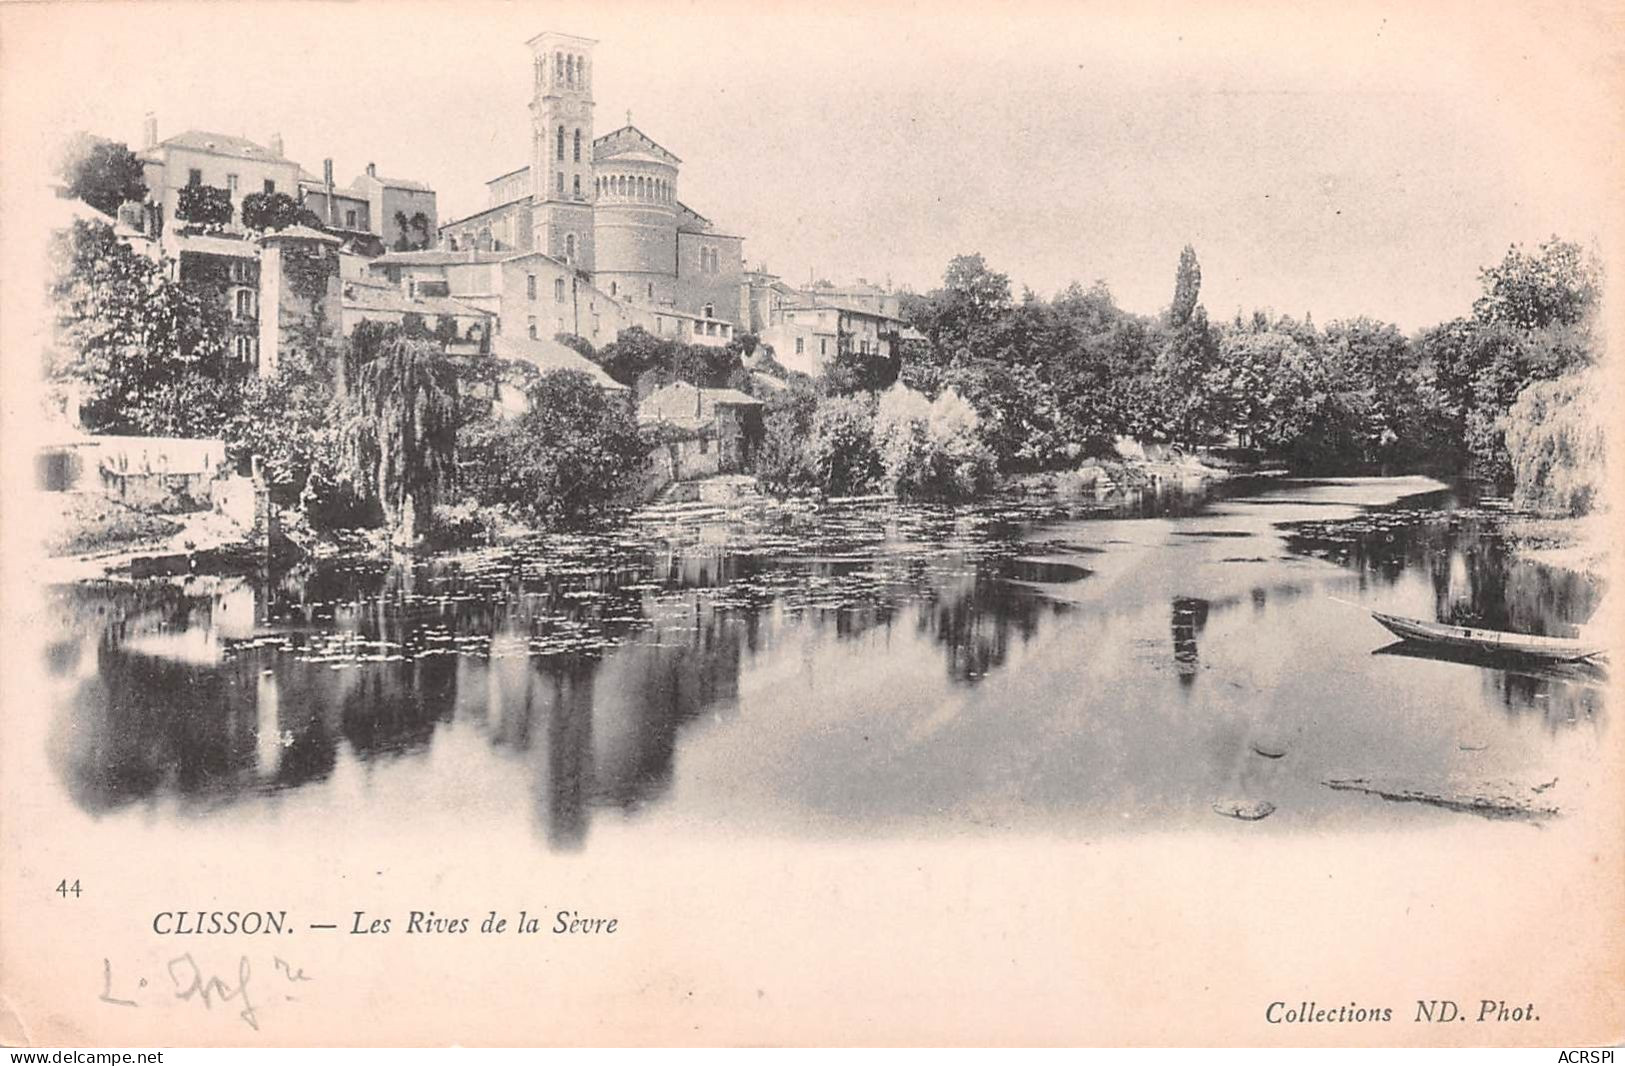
231,184
705,445
245,303
245,348
570,245
531,323
530,286
270,186
349,221
194,177
612,288
801,345
576,186
558,290
710,311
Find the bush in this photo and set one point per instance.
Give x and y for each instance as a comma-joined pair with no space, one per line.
844,458
784,462
204,204
1558,449
573,453
930,449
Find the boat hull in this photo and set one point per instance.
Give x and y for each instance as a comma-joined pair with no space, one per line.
1559,649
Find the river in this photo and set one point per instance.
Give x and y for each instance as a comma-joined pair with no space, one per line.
867,670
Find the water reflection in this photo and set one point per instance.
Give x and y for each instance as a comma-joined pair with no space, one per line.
587,664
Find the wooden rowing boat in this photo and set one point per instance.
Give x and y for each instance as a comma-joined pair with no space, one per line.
1559,649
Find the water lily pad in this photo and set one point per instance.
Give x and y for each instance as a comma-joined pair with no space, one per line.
1245,810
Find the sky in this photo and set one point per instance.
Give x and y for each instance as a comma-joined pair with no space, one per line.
1335,159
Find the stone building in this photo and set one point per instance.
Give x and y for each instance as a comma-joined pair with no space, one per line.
398,211
716,431
607,206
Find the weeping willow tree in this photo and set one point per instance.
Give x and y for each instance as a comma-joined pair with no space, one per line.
400,440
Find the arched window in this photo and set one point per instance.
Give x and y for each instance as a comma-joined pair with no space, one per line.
570,247
569,70
578,146
622,184
558,66
559,145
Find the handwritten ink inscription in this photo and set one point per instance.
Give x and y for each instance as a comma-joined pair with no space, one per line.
187,981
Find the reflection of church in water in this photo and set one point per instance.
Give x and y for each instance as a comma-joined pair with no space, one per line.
222,689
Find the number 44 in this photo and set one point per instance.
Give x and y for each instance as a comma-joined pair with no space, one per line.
63,888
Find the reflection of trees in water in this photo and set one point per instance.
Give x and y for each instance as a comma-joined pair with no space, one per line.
1189,619
372,660
1476,578
974,619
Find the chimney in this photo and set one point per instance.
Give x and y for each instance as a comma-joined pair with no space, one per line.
276,145
372,170
327,186
149,131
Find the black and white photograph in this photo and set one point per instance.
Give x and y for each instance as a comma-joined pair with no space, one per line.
869,524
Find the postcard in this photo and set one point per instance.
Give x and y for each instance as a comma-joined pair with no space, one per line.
878,524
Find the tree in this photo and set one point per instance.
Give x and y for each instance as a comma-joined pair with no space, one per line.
275,211
287,418
414,231
784,462
844,459
1560,285
146,354
400,443
104,174
1187,288
205,205
571,454
1556,439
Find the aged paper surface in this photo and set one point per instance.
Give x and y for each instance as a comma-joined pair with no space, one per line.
793,809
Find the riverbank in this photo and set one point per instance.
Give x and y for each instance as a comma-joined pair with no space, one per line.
92,538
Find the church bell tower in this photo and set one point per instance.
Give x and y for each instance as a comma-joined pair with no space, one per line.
561,170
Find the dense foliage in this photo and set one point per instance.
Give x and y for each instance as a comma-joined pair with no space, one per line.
399,442
275,211
104,174
139,352
567,456
1557,444
204,205
1058,380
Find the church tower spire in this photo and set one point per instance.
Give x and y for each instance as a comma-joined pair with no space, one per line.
561,170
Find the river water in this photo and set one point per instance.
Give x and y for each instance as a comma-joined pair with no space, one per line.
1076,668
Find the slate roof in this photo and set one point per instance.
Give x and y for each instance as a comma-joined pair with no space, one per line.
221,144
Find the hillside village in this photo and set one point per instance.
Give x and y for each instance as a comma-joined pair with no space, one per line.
240,335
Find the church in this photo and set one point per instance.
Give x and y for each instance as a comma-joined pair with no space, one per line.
607,206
